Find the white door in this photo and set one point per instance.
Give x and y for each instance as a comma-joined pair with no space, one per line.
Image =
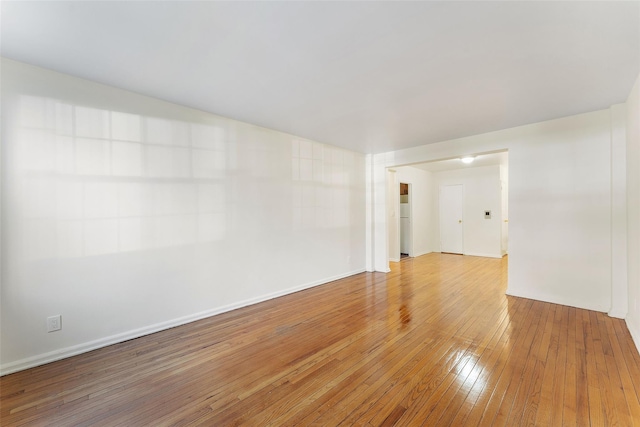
451,219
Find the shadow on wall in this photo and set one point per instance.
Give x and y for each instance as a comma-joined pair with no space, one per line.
95,182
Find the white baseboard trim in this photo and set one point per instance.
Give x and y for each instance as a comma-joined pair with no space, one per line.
635,333
484,255
618,314
410,256
421,253
63,353
555,300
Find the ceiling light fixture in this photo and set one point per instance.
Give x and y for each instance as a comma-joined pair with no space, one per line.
467,159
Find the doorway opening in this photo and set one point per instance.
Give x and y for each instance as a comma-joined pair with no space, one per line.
405,220
420,221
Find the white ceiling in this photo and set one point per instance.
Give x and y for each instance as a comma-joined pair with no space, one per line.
367,76
492,159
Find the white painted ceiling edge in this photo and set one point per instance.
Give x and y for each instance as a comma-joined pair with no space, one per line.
480,160
370,77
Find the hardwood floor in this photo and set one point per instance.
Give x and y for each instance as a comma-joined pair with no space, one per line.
434,342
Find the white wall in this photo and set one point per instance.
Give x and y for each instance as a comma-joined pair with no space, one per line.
378,233
393,215
481,189
421,213
504,181
619,282
633,210
559,205
126,214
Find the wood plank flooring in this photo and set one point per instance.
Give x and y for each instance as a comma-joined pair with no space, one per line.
435,342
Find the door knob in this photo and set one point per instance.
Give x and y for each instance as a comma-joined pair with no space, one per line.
459,221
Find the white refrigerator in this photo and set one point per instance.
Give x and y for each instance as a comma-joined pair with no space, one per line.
404,228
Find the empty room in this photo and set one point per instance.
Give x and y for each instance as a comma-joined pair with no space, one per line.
320,213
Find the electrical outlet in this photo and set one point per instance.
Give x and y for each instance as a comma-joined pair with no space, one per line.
54,323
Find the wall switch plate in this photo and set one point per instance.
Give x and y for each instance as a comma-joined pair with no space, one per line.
54,323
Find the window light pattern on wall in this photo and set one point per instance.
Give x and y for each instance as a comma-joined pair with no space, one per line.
322,184
98,181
